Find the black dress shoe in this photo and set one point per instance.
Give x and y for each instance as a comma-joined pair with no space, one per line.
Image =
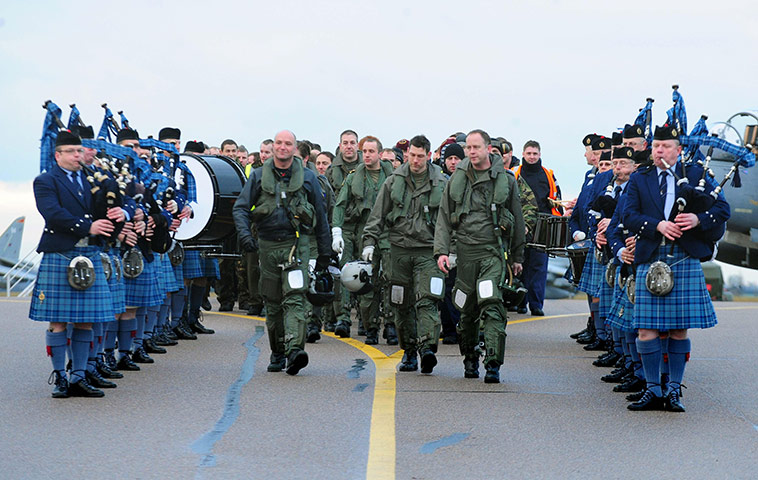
198,327
585,339
152,347
521,310
163,340
126,363
390,334
537,312
106,371
296,361
342,330
277,362
632,385
313,334
648,401
226,307
97,381
673,402
409,363
372,337
141,356
492,373
84,389
60,390
110,359
513,308
597,346
608,360
578,334
207,305
471,366
183,334
171,335
634,397
428,361
616,376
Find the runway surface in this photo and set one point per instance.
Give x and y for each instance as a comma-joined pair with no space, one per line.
208,409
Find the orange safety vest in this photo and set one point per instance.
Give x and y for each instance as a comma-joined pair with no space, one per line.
553,189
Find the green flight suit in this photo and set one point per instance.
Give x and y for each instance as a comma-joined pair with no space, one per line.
406,208
482,236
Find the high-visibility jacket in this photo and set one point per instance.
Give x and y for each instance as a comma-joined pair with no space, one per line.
553,189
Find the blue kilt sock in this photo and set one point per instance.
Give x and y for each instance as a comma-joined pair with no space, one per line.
631,340
80,346
197,293
141,317
664,362
92,355
111,332
177,306
650,353
151,320
127,329
679,352
163,314
69,330
599,321
616,334
57,343
625,351
97,337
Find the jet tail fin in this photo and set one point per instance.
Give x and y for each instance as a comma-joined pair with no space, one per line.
10,241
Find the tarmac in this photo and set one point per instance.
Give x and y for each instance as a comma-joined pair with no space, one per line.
209,410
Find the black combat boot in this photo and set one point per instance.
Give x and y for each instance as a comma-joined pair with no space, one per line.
277,362
313,333
471,366
428,361
409,363
492,374
372,336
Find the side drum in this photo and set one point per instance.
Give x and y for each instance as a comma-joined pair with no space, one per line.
219,181
577,254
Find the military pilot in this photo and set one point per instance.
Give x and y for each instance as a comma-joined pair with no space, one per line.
481,204
285,201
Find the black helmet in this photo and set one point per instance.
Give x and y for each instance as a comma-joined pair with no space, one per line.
321,288
514,294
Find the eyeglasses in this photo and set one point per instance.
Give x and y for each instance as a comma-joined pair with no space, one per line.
72,150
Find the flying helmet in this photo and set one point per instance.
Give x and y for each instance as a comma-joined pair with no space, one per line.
356,277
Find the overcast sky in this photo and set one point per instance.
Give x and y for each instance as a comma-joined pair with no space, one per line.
545,70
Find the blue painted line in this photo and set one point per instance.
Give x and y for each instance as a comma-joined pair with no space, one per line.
204,445
355,370
431,447
360,387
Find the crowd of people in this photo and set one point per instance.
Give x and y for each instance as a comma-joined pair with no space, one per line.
435,241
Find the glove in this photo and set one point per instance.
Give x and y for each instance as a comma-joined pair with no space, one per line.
368,253
322,262
338,244
579,236
249,244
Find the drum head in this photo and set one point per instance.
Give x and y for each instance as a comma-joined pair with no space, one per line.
219,181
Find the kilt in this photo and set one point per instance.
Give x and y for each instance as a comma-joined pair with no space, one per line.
143,290
196,266
621,313
167,279
688,305
54,300
605,293
178,275
118,291
592,274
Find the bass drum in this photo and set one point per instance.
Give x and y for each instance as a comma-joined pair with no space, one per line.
219,181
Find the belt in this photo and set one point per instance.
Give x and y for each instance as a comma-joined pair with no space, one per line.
83,242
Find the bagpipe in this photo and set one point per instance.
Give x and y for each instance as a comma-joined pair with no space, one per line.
603,208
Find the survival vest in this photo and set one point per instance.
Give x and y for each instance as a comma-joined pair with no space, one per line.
290,196
430,201
363,200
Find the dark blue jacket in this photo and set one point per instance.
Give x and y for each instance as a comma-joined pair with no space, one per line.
67,215
578,219
644,210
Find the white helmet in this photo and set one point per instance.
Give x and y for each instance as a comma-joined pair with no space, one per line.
356,276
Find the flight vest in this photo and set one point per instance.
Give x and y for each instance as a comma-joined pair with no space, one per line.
430,201
460,195
290,196
364,200
553,189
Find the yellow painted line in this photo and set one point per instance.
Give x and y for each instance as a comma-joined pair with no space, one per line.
382,444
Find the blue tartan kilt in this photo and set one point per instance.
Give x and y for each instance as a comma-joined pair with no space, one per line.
621,313
143,290
178,275
688,305
116,284
592,274
196,266
167,279
54,300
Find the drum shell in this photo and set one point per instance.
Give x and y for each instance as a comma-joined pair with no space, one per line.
577,254
219,181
